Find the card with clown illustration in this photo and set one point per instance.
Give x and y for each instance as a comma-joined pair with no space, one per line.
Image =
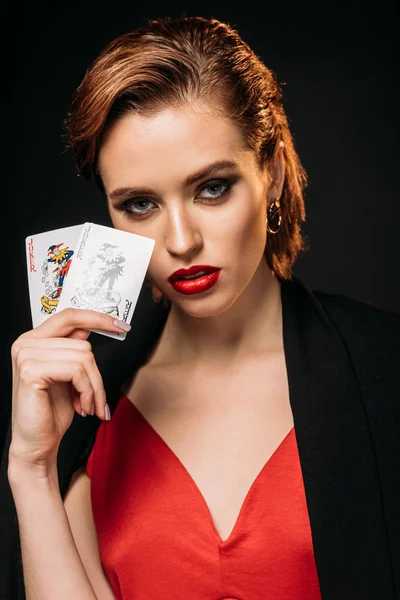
86,266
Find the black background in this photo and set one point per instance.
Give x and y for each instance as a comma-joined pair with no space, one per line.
338,66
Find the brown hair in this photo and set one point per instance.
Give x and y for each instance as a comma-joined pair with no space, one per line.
175,60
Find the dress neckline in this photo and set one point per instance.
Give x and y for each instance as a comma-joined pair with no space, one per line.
135,411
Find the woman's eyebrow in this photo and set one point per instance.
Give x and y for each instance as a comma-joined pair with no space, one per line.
208,170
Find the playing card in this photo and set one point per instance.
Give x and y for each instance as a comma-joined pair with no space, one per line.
107,273
49,258
95,268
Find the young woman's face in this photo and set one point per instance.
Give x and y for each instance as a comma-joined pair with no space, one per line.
217,218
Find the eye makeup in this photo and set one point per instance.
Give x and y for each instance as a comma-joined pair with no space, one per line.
224,186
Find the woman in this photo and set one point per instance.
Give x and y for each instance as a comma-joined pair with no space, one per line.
253,446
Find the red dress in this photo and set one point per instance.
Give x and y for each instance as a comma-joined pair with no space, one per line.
156,535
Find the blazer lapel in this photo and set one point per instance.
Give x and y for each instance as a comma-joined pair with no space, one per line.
336,453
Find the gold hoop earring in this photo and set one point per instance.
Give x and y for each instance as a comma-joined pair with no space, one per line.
274,217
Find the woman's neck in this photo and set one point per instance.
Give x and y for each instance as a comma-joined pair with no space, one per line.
251,325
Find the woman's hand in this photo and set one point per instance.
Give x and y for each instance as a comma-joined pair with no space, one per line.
54,374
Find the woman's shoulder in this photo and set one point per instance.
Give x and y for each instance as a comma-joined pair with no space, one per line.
356,315
370,333
363,325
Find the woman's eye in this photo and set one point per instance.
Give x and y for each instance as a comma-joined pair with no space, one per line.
216,189
135,206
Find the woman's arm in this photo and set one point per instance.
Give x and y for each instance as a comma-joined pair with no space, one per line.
51,562
54,375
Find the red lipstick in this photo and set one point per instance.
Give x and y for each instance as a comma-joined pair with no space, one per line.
204,277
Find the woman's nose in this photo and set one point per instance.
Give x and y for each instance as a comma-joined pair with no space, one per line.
183,236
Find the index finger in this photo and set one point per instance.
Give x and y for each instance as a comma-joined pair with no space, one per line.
70,320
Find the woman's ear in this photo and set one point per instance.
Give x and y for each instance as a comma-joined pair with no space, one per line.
276,170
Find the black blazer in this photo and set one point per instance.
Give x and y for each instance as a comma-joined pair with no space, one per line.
343,365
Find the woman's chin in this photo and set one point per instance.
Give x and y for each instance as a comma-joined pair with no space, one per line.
199,306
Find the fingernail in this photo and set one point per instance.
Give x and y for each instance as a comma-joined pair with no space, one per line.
107,412
92,409
122,325
83,414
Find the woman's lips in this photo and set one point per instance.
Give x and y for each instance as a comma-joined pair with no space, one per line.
194,270
197,285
